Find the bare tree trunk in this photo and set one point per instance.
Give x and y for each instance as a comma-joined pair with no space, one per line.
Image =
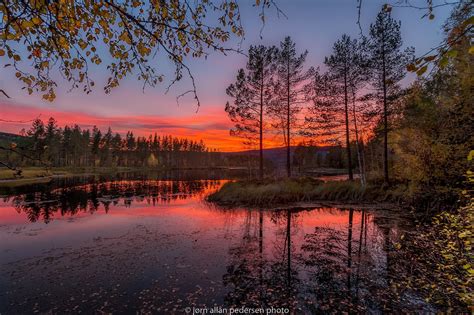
348,144
385,120
261,129
358,145
288,153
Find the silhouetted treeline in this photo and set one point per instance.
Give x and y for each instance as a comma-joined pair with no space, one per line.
48,144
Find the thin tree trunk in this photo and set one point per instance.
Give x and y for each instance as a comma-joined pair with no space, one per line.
261,128
358,145
385,119
348,144
288,153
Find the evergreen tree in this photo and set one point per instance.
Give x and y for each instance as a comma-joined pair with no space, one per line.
290,90
77,145
116,146
388,67
321,119
37,137
252,93
346,67
96,139
52,140
106,143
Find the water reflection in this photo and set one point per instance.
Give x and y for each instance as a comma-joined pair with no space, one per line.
259,276
172,251
312,269
43,205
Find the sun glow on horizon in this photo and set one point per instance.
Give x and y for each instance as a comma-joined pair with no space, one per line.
209,125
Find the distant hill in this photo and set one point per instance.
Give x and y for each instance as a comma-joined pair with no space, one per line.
9,137
276,155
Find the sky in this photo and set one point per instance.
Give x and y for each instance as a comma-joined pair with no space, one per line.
314,25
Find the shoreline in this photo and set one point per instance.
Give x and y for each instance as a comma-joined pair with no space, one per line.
306,192
301,206
38,175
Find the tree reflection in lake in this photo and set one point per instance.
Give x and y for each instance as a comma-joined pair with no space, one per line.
259,276
284,262
153,246
43,205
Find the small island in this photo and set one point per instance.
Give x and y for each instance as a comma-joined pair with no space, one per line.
290,192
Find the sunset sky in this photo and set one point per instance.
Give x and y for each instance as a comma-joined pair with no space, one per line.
314,25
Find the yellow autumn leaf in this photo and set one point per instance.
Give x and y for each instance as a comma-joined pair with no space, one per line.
27,24
124,37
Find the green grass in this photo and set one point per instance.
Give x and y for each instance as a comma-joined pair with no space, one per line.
287,191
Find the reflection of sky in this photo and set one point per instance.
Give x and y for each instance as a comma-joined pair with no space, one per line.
314,25
21,238
179,245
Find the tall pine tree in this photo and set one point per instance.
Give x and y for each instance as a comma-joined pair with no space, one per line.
292,79
388,67
346,67
252,93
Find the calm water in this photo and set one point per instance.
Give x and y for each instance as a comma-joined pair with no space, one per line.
124,245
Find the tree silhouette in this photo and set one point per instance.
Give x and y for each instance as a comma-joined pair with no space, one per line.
388,67
291,81
252,93
346,67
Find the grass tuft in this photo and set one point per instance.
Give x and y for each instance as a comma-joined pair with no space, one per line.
285,191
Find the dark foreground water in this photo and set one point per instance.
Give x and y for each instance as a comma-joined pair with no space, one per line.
127,246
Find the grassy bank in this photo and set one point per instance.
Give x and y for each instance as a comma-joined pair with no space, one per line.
287,191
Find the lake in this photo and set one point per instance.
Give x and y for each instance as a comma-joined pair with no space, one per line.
152,244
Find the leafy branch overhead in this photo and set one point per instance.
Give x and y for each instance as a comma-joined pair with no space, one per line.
458,29
40,37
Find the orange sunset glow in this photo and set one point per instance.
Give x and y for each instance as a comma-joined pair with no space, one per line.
209,124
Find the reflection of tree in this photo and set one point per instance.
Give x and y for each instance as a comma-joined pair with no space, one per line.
90,197
349,269
256,278
170,175
339,270
326,260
